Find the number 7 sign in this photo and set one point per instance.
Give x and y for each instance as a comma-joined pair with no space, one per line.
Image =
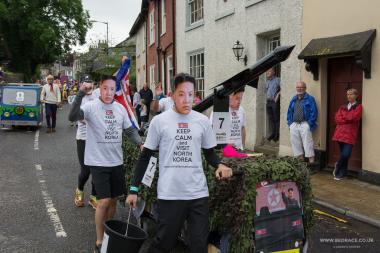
149,173
221,122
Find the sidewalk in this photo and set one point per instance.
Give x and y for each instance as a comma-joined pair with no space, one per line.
352,197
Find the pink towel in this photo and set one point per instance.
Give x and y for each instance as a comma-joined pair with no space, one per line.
230,151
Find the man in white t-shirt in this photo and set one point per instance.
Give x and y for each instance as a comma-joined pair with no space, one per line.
105,121
81,144
237,114
180,134
161,103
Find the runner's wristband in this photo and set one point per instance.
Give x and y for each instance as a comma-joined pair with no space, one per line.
133,189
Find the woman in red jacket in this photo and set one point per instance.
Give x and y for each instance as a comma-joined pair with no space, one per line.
347,120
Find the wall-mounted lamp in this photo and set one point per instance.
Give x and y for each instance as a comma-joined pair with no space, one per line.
238,49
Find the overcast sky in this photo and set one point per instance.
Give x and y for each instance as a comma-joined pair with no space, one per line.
120,15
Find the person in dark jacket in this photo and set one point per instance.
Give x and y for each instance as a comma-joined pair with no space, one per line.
302,120
146,94
347,120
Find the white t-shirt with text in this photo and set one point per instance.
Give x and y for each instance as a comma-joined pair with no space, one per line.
105,124
237,123
180,138
81,131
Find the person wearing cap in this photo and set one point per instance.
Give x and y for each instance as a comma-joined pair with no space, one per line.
51,96
81,144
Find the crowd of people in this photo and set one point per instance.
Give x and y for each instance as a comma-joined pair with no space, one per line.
181,135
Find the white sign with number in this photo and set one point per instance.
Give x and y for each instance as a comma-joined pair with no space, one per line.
149,173
70,99
221,123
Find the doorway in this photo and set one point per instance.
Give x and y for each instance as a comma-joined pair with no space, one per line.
343,74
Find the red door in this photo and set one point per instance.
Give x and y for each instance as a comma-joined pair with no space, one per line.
343,74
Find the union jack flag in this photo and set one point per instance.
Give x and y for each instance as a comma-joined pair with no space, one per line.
122,94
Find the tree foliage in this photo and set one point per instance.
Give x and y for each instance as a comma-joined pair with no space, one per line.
39,31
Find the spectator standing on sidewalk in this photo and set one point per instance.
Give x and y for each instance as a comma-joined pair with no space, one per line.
160,102
347,120
146,94
180,134
136,103
81,144
302,120
143,114
51,96
273,88
197,98
105,121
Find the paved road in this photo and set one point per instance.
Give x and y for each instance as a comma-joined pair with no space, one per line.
37,181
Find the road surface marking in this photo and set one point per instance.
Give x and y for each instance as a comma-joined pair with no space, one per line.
329,215
52,212
36,139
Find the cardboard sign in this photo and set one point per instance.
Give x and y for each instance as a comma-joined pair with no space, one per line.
221,123
149,173
221,120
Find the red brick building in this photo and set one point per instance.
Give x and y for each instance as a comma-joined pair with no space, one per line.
160,43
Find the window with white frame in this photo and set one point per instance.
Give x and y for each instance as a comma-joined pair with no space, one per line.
195,10
151,28
151,77
163,17
197,71
170,72
273,42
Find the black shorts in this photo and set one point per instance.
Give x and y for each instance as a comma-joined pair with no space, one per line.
109,181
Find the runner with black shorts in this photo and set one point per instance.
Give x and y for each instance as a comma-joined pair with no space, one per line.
105,119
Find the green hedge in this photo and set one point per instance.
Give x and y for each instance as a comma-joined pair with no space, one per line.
232,202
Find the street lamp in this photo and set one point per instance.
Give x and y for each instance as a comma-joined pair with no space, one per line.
106,23
238,52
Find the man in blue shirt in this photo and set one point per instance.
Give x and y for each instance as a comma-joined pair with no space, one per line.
302,120
273,88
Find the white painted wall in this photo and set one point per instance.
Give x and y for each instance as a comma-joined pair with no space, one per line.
244,20
140,56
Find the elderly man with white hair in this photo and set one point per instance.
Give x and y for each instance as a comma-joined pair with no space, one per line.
51,96
302,116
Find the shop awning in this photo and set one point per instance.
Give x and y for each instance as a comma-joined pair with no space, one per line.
358,45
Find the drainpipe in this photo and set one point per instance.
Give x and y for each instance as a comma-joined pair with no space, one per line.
174,45
146,50
158,58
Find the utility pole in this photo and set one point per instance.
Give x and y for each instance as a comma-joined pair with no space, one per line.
106,23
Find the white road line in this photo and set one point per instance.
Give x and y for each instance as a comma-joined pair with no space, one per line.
36,139
52,212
